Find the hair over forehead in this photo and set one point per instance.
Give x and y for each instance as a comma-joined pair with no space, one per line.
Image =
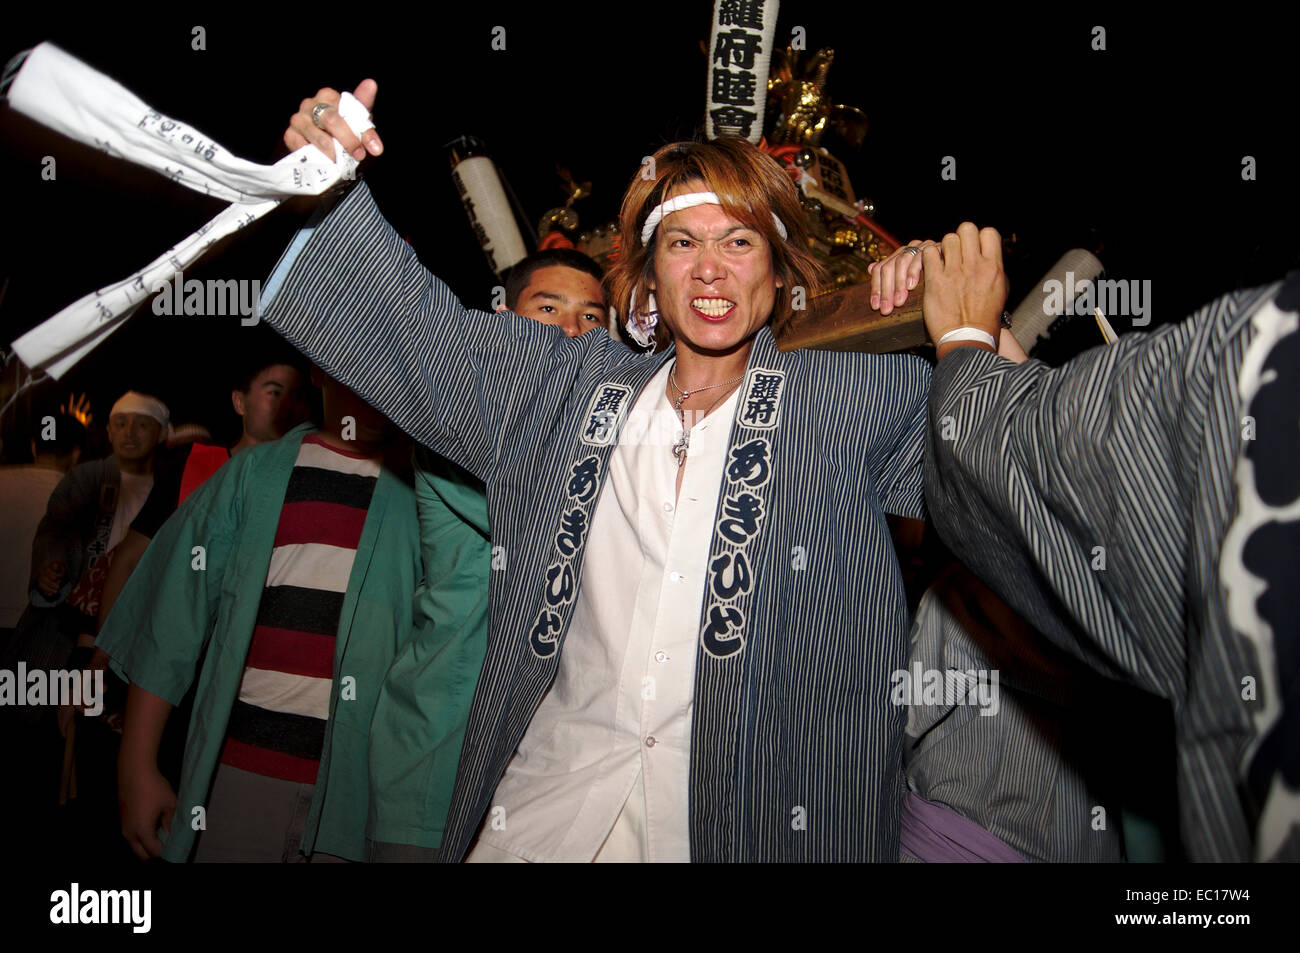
751,187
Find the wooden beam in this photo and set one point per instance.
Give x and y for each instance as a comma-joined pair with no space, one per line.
845,321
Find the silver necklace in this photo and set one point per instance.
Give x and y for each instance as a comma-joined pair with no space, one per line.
684,439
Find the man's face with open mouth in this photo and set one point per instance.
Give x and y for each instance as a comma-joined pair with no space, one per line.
714,283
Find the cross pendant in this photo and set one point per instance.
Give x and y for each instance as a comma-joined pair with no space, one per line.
679,448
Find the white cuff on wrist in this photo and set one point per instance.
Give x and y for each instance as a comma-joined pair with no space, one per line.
968,334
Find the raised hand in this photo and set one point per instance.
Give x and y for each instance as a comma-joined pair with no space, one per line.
303,130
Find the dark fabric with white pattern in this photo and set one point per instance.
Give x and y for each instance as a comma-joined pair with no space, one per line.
1130,447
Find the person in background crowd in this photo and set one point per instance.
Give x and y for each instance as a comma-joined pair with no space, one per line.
29,748
26,491
86,516
558,286
92,507
267,396
309,552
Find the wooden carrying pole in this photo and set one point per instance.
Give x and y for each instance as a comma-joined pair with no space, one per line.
845,321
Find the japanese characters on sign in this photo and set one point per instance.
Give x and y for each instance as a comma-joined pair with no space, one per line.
740,50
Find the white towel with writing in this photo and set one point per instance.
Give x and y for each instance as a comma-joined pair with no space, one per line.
63,93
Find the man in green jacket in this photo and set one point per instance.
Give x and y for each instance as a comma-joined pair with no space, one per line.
290,574
420,717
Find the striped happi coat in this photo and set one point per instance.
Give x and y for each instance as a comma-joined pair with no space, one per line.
1097,498
795,746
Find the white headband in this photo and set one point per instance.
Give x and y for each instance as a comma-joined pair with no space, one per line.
690,200
133,402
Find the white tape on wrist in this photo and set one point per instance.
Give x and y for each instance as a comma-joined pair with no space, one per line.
968,334
63,93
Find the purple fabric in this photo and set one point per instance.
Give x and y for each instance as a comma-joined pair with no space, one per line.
936,834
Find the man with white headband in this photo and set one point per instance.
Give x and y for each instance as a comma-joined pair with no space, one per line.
690,637
87,515
93,505
137,424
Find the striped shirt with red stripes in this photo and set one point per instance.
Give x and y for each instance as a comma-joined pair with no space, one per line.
277,726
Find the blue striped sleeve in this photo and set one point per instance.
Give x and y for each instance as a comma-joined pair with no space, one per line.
898,462
1061,489
358,302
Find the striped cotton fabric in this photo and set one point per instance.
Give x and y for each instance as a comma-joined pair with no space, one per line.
277,724
1094,498
1016,760
796,745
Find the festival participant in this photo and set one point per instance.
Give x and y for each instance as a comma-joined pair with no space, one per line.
26,490
558,286
267,398
420,717
297,603
1136,506
29,748
85,520
86,517
689,645
1007,756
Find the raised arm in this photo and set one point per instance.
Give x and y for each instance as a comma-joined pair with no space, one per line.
1073,492
357,301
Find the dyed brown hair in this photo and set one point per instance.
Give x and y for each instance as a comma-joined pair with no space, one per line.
750,184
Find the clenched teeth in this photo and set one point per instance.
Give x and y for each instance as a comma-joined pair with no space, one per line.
713,307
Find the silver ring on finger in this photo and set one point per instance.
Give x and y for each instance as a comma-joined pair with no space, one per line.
913,249
316,113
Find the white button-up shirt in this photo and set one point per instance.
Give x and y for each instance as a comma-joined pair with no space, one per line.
610,742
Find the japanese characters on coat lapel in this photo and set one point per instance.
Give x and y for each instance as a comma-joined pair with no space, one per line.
741,508
741,511
598,433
